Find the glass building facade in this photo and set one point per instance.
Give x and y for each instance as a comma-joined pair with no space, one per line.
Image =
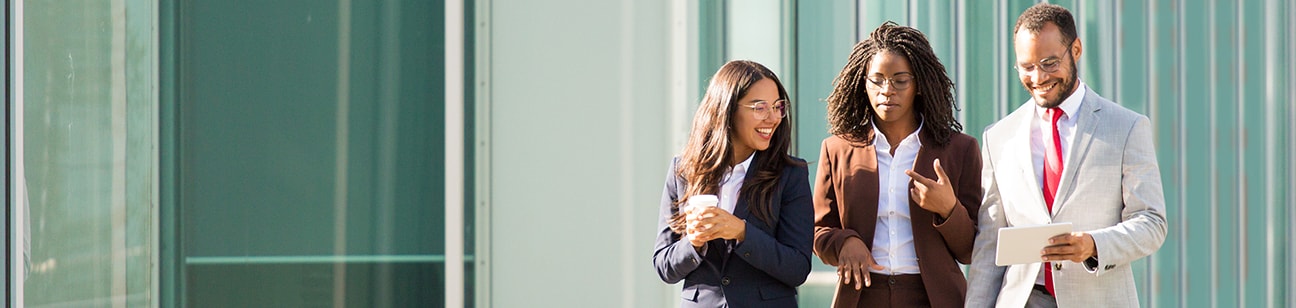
510,153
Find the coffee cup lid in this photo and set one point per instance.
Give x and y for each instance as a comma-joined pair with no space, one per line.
704,199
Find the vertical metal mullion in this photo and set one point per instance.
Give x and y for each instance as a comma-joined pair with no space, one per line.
170,285
482,152
8,263
960,63
1213,140
13,152
1002,105
1181,163
454,153
788,58
1243,210
342,148
1291,148
1271,57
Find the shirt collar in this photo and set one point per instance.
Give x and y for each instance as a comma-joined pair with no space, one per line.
1069,106
886,145
741,168
745,163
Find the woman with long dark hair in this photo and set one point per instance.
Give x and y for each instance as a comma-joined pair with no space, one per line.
752,249
899,186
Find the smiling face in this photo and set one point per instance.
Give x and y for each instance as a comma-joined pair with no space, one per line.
750,134
1035,51
891,87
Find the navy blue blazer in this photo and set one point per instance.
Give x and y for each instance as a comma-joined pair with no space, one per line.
762,271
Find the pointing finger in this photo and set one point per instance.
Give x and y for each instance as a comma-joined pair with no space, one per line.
940,172
918,178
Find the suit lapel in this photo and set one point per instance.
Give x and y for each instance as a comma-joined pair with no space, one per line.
927,153
740,207
861,187
1087,121
1019,153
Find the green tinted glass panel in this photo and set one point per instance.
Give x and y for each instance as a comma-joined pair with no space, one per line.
309,153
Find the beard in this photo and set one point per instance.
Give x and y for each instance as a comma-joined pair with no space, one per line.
1068,86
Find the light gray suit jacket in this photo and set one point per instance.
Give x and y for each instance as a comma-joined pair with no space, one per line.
1110,188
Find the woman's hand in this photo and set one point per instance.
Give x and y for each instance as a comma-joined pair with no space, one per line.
934,196
854,263
711,222
692,230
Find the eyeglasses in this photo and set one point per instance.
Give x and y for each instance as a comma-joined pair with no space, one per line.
899,83
763,109
1048,65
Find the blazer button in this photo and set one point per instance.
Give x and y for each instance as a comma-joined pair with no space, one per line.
724,281
746,254
1057,266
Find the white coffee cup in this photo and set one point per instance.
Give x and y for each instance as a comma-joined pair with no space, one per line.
703,200
699,201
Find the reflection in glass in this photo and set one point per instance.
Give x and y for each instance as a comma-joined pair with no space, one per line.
84,156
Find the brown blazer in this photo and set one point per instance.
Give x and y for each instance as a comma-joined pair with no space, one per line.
846,197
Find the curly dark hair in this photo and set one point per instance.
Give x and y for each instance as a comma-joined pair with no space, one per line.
1040,14
850,111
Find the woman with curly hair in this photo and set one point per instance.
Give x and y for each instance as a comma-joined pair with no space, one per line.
899,186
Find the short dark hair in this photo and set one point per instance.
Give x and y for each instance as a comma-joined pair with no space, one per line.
1040,14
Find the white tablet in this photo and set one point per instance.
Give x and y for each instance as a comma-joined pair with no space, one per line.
1022,245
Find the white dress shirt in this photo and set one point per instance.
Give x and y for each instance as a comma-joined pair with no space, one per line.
1042,130
733,181
1042,135
730,185
893,239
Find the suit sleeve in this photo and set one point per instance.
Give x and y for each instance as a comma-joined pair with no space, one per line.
784,255
959,229
829,236
984,277
673,257
1143,225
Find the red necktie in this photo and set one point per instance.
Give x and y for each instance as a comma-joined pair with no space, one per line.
1052,175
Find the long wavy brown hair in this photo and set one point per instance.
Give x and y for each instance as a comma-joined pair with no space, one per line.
706,157
850,110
